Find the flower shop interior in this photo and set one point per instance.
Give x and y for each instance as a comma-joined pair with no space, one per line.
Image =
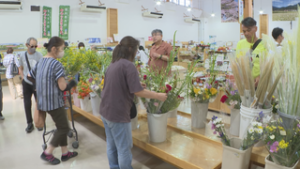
227,107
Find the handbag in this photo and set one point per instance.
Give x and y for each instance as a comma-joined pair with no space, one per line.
29,69
14,70
133,111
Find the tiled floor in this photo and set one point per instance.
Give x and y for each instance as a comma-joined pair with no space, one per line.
19,150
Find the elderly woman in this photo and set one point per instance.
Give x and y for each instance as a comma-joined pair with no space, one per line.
121,83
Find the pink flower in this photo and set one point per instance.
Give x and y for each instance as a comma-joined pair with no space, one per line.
215,132
273,148
145,77
224,98
90,80
213,126
156,104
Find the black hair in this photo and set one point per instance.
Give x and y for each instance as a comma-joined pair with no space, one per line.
54,42
157,31
249,22
141,48
276,32
10,50
81,44
126,49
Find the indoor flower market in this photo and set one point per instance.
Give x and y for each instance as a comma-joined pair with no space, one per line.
149,84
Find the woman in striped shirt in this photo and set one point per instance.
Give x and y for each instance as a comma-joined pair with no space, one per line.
50,83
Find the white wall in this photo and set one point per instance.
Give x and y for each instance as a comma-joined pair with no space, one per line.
230,31
19,25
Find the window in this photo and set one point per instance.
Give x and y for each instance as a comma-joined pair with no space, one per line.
187,3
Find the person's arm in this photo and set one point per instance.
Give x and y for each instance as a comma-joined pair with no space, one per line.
152,95
21,72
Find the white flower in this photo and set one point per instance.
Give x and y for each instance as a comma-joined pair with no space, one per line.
260,131
259,124
222,125
277,106
272,137
282,132
215,122
254,123
251,130
276,100
218,125
256,130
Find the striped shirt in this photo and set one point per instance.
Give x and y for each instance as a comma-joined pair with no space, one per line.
46,73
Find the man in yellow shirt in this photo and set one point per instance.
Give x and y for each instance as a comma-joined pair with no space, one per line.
251,44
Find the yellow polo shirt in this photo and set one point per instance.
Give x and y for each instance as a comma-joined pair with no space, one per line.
243,47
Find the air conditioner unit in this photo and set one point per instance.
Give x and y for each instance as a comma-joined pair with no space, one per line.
10,5
191,20
153,14
89,8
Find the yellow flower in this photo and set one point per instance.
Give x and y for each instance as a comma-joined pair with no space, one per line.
270,128
280,128
283,145
207,96
273,127
102,82
196,90
260,127
213,91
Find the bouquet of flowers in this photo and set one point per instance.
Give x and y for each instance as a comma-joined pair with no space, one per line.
203,94
283,143
96,84
231,97
218,126
157,81
83,89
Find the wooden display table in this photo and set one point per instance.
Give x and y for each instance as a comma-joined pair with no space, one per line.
185,147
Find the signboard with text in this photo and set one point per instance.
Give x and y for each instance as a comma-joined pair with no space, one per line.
47,22
64,18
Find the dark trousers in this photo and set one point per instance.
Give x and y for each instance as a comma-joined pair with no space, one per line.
60,119
27,94
1,97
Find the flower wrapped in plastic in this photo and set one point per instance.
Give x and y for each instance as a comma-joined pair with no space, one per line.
255,131
232,97
83,89
283,142
218,127
96,84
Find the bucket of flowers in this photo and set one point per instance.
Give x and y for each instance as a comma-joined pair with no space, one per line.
84,96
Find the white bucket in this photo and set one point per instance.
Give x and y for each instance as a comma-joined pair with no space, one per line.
272,165
76,100
247,115
235,122
233,157
199,114
157,126
95,100
86,104
173,113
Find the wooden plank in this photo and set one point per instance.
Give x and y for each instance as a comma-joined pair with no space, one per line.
112,22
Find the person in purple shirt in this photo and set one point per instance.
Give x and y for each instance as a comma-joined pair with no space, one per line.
121,83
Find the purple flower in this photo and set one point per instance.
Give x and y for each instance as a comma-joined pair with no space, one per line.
298,125
213,126
215,132
268,143
232,92
273,148
214,118
221,134
261,115
208,85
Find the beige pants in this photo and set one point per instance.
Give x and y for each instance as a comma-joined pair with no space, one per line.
15,87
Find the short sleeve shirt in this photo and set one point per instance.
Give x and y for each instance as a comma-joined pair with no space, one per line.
46,73
243,47
32,59
120,83
163,49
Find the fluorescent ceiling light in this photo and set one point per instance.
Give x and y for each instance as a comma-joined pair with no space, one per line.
158,3
213,15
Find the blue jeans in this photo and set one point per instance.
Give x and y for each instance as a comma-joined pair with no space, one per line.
119,144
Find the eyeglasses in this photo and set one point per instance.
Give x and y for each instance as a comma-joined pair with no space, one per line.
32,46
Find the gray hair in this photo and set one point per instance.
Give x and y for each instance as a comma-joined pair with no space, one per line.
29,39
156,31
